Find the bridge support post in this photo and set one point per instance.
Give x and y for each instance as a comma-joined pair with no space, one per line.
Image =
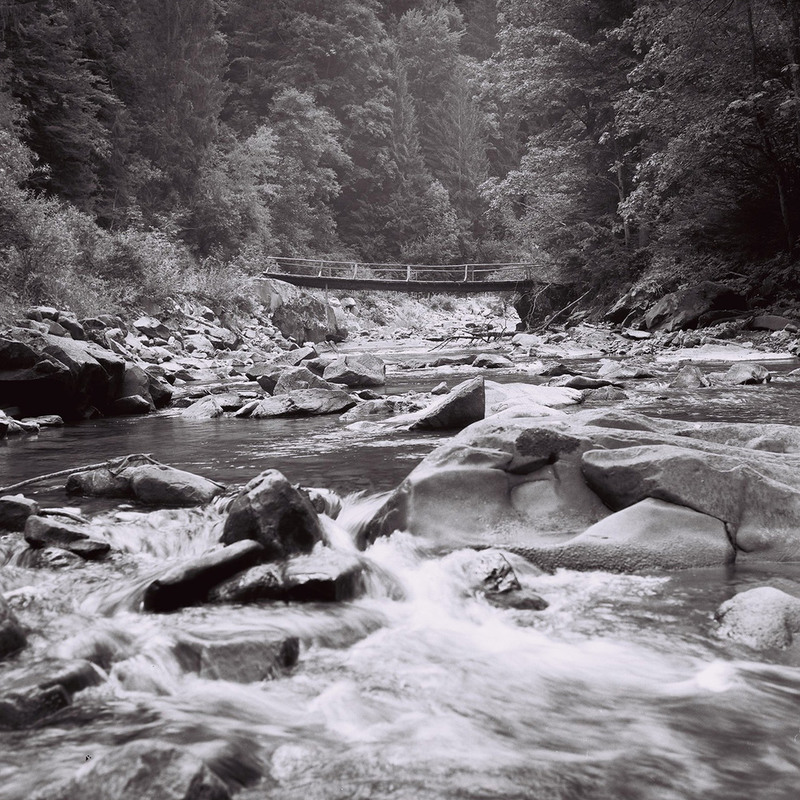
408,272
466,272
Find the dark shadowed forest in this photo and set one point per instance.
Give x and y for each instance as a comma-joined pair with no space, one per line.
153,147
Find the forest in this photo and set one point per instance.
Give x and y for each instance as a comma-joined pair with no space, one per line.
153,147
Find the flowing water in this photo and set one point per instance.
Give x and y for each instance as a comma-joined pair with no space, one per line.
419,689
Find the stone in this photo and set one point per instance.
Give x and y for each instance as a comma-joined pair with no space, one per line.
189,583
492,361
650,534
772,322
204,408
615,371
580,382
323,576
15,510
136,382
303,402
52,532
20,710
100,482
741,374
292,358
368,410
46,421
357,371
632,305
262,582
131,406
763,618
16,355
607,394
198,343
12,636
159,485
684,308
440,388
147,769
294,378
150,327
528,398
274,513
463,405
159,390
297,314
689,377
246,658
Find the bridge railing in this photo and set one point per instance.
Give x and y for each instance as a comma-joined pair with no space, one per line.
420,273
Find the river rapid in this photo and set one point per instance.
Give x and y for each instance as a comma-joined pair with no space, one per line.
420,688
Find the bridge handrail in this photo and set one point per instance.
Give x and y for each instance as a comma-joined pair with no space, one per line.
351,267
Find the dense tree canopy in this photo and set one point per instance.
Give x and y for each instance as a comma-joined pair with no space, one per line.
612,140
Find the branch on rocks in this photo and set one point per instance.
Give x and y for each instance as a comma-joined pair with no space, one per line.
114,464
561,311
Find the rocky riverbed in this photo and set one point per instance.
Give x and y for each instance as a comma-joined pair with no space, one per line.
564,596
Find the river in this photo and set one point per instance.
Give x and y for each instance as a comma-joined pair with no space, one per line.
419,689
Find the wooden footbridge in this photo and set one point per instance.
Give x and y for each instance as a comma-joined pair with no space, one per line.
445,278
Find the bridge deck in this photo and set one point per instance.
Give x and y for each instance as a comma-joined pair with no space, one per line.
396,285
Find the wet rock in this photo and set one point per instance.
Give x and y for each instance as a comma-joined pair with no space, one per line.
763,618
46,421
440,388
204,408
146,768
131,406
492,361
369,410
323,576
527,398
12,636
101,482
36,691
683,309
294,378
607,394
15,510
741,373
20,710
246,658
274,513
580,382
304,402
491,572
262,582
325,501
519,600
165,486
52,532
689,377
650,534
356,371
616,371
190,582
463,405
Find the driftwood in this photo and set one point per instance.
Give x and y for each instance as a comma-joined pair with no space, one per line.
549,321
114,464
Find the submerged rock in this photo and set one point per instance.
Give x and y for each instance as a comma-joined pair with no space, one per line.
12,636
204,408
762,618
245,658
689,377
274,513
146,768
740,374
160,485
303,402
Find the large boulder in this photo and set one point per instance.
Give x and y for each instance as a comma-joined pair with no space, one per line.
145,768
294,378
465,404
687,494
297,314
276,515
356,371
763,618
684,308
